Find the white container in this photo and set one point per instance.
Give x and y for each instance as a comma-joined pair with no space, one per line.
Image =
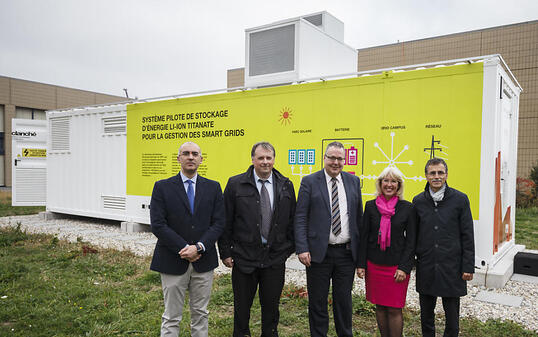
500,118
297,49
28,162
86,172
86,161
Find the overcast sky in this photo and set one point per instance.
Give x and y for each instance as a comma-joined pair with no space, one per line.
156,48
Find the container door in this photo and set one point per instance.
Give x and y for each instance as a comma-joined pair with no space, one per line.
29,162
507,139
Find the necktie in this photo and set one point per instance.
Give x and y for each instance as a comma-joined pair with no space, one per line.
265,204
190,194
335,209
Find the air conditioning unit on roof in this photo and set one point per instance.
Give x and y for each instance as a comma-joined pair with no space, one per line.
291,50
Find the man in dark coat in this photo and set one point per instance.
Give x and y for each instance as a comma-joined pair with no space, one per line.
187,217
258,238
329,211
445,248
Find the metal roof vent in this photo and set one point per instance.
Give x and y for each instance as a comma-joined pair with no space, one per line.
272,51
299,48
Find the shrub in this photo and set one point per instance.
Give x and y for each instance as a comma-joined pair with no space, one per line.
12,235
362,307
534,177
294,291
525,193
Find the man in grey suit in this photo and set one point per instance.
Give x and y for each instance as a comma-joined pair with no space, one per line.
329,211
187,217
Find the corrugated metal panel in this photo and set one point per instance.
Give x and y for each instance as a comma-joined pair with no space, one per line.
60,128
31,184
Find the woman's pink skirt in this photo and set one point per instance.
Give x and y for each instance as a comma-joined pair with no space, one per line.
382,289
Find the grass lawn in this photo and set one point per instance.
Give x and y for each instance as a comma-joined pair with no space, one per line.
527,227
54,288
6,209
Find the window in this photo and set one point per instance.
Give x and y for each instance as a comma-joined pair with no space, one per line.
2,138
29,113
2,118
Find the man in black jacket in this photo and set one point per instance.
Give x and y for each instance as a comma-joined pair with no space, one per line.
445,248
258,238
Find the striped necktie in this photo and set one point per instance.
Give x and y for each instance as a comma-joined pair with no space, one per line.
335,209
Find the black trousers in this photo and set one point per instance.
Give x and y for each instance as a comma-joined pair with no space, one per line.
451,305
338,265
271,282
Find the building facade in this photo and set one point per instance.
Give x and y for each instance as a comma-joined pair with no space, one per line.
27,99
516,43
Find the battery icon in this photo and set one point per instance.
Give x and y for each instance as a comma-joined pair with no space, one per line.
351,156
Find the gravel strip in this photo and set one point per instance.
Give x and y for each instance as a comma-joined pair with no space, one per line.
109,235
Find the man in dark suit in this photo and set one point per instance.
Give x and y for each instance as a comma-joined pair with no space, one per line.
187,217
445,248
258,238
329,211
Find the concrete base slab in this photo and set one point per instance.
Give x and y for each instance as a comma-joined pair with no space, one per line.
500,273
525,278
504,299
134,227
51,215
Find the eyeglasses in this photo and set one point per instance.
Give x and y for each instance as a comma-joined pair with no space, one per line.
187,153
436,173
333,158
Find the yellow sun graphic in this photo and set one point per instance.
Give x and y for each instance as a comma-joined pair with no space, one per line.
285,116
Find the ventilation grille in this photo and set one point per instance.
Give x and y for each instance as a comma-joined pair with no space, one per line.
316,20
272,51
115,203
31,185
116,124
60,128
